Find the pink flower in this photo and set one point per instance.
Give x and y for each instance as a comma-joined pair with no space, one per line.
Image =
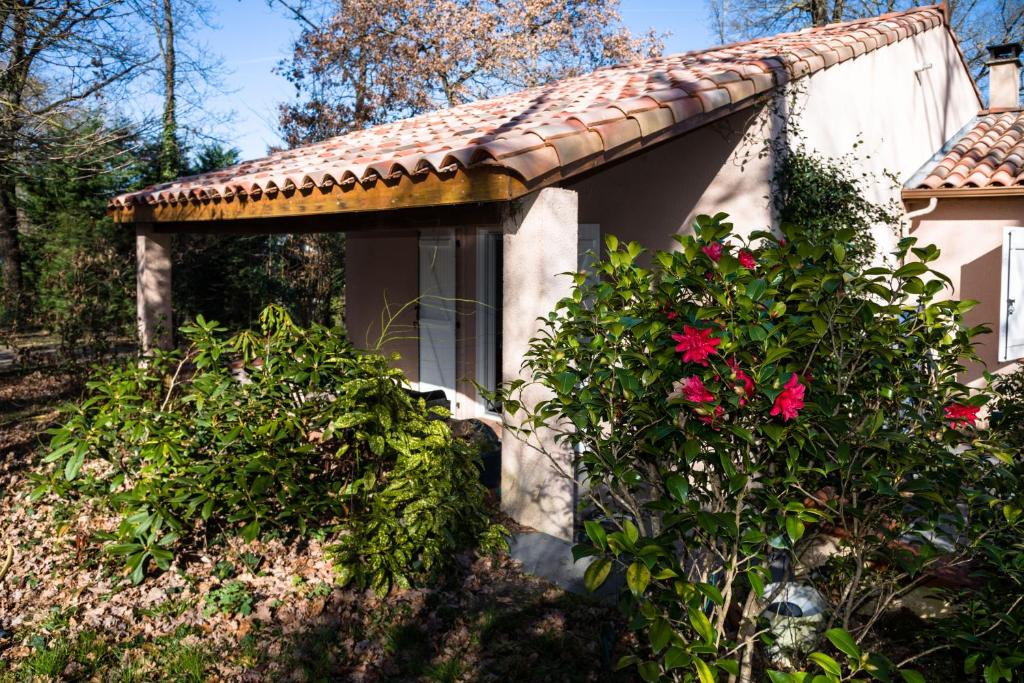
791,400
747,260
713,251
960,415
695,345
693,390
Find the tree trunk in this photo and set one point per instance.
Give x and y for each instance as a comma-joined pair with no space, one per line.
10,252
170,151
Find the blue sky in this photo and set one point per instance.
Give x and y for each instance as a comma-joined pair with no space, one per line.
250,38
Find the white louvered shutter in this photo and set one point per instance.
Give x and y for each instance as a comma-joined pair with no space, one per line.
437,313
1011,319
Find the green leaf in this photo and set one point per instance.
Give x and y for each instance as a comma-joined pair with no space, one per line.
596,574
844,643
678,487
637,577
756,582
250,531
756,289
703,671
912,269
74,464
56,455
649,671
829,665
702,625
794,528
660,634
565,382
911,676
632,533
676,658
712,592
597,534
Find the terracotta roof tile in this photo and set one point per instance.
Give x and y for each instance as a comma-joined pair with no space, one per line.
989,154
534,132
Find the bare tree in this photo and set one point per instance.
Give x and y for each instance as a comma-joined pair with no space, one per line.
362,62
977,23
55,55
180,63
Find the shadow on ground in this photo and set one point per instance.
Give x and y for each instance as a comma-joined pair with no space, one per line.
489,623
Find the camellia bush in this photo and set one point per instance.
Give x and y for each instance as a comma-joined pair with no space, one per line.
753,416
286,429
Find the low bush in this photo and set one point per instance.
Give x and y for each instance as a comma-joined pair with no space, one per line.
285,429
757,417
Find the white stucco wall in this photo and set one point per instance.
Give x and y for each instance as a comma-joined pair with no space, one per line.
539,244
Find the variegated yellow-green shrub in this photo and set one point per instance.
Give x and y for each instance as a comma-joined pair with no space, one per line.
285,428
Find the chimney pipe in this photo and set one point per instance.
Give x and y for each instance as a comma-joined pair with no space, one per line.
1004,76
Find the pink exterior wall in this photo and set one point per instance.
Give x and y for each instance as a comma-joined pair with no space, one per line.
900,115
381,270
970,234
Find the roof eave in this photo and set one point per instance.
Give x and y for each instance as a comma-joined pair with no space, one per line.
962,192
479,184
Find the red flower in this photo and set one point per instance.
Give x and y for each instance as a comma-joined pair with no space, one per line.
713,251
744,383
747,260
789,402
695,345
693,390
960,415
672,315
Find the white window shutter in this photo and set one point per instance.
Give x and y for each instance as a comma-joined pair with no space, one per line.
437,312
1011,307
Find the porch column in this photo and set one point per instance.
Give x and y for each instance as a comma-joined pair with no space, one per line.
539,243
153,288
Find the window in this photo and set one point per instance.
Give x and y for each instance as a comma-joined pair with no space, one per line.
1011,301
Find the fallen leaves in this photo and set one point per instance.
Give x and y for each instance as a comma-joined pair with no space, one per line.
487,622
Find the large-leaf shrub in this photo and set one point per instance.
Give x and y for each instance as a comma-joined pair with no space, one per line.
741,405
285,428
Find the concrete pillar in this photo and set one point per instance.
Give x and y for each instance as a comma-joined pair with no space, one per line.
539,243
153,288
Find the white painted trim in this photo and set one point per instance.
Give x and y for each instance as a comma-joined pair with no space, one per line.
484,340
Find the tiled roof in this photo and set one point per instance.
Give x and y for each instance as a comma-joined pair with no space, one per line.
989,155
533,133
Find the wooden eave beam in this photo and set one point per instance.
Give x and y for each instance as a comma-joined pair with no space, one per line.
481,184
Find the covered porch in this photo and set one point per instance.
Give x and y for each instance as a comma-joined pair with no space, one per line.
454,290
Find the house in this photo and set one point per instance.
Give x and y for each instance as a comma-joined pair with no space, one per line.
969,201
475,211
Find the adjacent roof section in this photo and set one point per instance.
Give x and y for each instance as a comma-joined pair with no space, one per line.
988,157
534,137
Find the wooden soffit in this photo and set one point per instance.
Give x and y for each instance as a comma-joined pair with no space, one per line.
476,185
